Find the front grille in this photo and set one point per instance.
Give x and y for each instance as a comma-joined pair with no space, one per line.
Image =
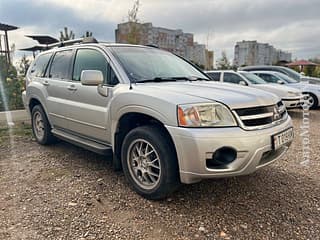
257,117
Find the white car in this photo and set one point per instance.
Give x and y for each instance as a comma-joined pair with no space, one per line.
300,77
313,90
291,97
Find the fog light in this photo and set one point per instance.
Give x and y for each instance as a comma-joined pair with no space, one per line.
222,157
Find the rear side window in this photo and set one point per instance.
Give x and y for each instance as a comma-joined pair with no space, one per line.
214,76
40,65
60,65
89,59
231,78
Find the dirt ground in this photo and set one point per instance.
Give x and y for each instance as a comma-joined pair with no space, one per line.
64,192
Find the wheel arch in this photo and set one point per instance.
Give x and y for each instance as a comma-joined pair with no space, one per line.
131,120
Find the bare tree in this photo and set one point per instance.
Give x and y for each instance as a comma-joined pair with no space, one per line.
223,63
65,35
134,32
24,65
133,12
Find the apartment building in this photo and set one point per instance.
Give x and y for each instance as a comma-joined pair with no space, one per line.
173,40
254,53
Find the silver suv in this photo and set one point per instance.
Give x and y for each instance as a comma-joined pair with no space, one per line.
158,114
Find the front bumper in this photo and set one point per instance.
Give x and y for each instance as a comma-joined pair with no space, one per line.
24,100
293,102
254,150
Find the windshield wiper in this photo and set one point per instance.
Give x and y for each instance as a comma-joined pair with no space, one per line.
157,79
169,79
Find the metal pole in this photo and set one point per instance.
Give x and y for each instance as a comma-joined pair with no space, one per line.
0,45
7,47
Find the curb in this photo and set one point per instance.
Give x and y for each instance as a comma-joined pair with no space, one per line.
10,117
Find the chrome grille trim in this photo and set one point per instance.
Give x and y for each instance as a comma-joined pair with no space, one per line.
261,117
257,116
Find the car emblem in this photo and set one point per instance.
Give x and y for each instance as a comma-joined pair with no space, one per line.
276,113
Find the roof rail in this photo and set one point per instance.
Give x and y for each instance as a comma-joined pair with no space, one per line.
72,42
152,45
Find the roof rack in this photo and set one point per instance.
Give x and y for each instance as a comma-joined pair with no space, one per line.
72,42
152,45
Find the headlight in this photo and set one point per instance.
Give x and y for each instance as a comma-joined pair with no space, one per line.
205,115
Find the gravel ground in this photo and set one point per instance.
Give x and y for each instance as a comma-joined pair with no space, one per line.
64,192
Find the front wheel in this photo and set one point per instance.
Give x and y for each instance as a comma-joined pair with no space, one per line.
312,101
149,162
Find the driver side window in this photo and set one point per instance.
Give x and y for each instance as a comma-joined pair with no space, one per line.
231,78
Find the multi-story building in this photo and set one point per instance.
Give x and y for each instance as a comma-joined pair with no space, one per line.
175,41
254,53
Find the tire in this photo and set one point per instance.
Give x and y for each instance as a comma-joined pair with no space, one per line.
160,177
313,101
40,126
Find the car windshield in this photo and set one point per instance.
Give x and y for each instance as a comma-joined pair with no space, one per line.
292,74
147,64
252,78
285,78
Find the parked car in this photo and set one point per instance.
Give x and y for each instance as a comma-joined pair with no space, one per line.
285,70
291,97
163,120
312,90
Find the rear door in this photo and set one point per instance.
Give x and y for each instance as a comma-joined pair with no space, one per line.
89,111
57,83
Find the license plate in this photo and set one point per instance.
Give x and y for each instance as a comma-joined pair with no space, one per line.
282,138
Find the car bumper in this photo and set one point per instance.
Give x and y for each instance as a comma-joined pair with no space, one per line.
293,102
195,146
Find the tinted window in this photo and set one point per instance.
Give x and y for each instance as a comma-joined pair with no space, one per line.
214,76
231,78
112,79
40,65
268,77
61,64
89,59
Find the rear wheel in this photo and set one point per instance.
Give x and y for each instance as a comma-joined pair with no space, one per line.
149,162
40,126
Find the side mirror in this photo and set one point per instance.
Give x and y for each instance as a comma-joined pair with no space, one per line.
243,83
280,82
91,77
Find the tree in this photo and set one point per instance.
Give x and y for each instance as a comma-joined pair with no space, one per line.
65,35
24,64
223,63
87,34
11,87
134,32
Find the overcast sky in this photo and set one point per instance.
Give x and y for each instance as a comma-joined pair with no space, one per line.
289,25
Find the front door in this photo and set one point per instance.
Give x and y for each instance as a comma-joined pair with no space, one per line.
89,111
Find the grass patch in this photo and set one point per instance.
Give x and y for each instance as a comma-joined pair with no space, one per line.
20,129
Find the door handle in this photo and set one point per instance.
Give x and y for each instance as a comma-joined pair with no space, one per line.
45,83
72,87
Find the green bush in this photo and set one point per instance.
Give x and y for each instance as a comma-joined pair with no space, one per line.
12,87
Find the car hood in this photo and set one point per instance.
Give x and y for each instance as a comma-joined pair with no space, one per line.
234,96
279,90
303,86
312,80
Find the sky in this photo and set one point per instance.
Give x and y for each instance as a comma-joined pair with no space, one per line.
290,25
